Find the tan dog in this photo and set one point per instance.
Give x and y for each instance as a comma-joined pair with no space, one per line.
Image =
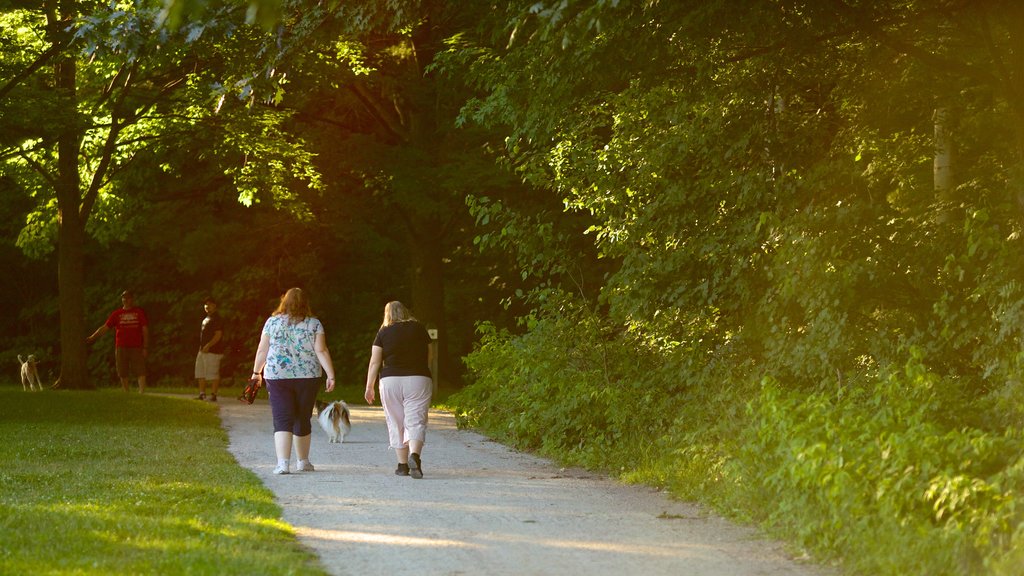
30,373
333,418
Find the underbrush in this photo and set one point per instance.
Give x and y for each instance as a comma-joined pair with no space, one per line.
896,475
589,402
878,477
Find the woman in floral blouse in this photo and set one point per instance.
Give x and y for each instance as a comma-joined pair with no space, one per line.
292,356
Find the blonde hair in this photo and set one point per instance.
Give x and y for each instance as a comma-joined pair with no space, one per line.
395,312
295,305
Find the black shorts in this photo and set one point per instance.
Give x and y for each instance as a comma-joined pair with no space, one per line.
131,362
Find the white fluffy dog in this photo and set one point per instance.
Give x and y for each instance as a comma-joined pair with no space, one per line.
30,373
333,418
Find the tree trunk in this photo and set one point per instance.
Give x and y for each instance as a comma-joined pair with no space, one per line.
943,166
70,230
428,291
70,282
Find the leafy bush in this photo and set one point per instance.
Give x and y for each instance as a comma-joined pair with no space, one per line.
872,475
882,475
571,387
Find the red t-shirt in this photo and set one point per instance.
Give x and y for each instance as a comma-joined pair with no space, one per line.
127,325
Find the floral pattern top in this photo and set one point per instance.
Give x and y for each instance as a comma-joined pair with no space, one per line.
292,353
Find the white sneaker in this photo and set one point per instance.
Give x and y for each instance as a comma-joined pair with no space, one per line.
281,468
305,466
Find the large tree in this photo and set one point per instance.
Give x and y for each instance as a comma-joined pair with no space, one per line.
95,87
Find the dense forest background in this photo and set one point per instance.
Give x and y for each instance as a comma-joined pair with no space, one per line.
766,254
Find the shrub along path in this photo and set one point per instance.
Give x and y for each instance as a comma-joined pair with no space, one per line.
484,509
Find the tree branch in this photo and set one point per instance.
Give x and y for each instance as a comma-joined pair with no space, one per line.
869,26
40,61
385,119
99,177
109,146
40,169
776,47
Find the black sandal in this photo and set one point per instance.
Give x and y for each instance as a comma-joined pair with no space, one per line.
415,466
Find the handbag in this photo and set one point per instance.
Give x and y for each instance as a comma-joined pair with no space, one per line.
251,389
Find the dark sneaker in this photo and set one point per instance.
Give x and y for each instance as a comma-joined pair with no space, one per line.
415,466
201,396
213,397
402,470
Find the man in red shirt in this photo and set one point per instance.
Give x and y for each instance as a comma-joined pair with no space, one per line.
131,340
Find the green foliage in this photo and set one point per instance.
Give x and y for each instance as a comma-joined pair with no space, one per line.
872,473
111,483
272,163
587,400
758,185
882,475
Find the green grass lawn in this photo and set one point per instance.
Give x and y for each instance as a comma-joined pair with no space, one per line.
112,483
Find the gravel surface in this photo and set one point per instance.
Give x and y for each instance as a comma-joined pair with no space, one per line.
483,508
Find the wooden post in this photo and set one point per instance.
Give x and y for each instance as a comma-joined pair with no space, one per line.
433,357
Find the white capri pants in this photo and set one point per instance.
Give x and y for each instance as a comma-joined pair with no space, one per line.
406,400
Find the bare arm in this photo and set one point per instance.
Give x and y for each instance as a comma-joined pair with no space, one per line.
99,332
320,346
261,354
376,359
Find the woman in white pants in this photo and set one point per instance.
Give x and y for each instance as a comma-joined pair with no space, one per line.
400,356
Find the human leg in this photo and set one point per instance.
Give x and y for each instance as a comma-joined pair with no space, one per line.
394,414
282,410
302,430
283,449
305,390
402,455
121,362
302,452
283,444
417,393
137,365
213,373
200,373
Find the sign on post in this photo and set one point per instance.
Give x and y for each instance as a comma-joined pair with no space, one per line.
432,332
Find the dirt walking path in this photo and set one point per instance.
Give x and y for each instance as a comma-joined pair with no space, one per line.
485,509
